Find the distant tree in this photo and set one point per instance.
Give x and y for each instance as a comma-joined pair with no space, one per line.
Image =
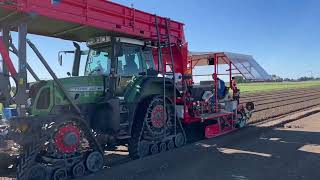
239,79
306,78
276,78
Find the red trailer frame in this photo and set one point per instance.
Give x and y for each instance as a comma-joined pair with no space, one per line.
79,20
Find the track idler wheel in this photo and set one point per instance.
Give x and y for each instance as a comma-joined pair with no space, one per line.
154,149
78,170
179,140
95,161
162,147
170,144
60,174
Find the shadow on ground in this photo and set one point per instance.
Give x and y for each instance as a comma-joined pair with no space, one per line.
253,154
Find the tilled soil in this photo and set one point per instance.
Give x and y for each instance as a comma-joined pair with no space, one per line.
286,102
267,109
285,98
276,94
279,92
269,106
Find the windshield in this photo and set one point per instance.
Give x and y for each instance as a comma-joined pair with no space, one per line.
99,61
133,61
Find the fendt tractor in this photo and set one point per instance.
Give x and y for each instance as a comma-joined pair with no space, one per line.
137,90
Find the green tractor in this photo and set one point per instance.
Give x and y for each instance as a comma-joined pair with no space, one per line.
120,99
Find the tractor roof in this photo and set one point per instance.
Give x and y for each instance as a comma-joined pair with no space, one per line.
245,64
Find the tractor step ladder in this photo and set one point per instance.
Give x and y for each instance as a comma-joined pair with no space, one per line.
164,64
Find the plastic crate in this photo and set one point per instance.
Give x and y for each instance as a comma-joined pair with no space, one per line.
8,113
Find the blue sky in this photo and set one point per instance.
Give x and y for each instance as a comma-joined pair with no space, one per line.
282,35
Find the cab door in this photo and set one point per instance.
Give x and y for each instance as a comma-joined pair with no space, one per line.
130,64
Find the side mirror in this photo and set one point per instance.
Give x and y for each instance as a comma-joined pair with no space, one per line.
60,54
60,58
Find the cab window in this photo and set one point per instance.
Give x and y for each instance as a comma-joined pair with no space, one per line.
99,61
131,62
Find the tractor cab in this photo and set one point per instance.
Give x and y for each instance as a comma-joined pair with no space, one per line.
125,57
117,59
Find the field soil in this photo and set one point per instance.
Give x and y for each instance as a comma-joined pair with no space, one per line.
271,86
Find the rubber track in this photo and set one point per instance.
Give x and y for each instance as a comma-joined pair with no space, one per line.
27,160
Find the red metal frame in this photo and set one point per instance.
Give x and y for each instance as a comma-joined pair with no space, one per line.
6,58
105,16
102,14
214,129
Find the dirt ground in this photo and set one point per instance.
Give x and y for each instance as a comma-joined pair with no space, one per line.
286,151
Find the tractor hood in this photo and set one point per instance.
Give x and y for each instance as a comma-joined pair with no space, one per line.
82,90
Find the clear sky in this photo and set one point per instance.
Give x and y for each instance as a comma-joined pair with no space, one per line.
282,35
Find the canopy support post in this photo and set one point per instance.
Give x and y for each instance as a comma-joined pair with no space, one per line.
22,96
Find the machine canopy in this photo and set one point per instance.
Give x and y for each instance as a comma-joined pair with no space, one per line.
245,64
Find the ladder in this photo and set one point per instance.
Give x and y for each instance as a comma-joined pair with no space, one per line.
164,64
